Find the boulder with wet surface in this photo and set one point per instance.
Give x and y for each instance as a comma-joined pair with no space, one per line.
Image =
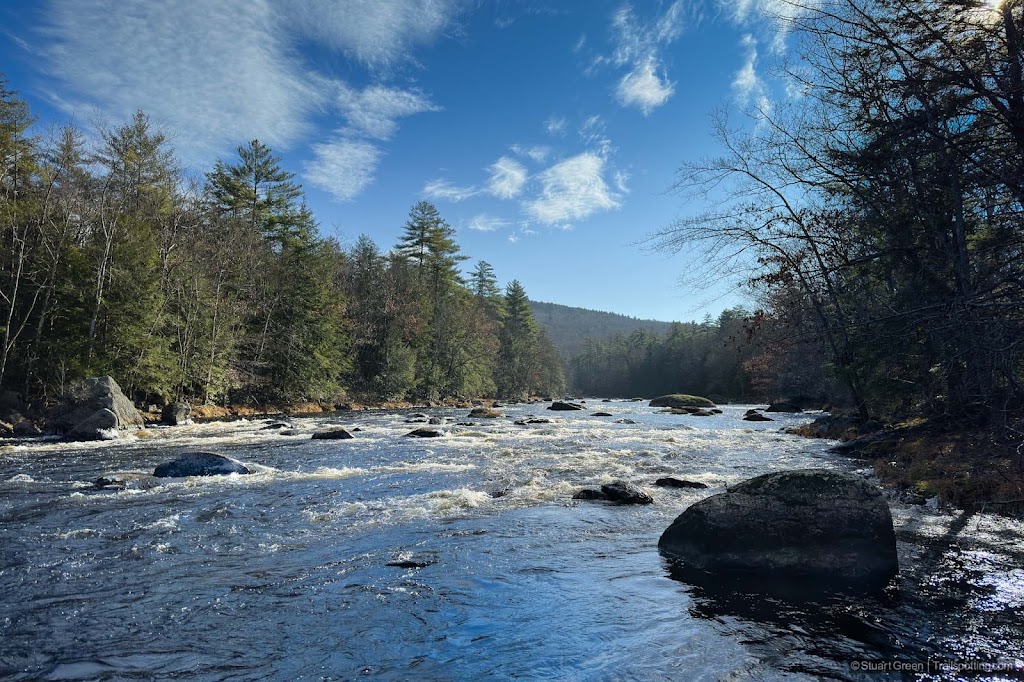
816,529
201,464
619,492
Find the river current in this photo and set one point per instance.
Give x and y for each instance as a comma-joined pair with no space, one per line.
283,574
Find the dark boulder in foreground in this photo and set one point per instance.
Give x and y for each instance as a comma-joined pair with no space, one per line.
671,482
564,406
176,414
200,464
616,491
681,400
425,433
94,409
332,434
814,528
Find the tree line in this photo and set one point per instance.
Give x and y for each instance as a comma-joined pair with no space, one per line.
221,289
879,206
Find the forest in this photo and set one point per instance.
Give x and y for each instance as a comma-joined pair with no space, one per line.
222,290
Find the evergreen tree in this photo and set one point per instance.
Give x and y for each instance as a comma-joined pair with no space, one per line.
518,344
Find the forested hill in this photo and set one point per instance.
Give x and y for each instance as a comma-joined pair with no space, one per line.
568,327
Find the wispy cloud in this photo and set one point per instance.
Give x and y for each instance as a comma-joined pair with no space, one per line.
779,15
593,134
376,32
644,88
746,85
645,84
443,189
343,167
215,74
507,178
555,125
537,153
374,112
486,223
571,190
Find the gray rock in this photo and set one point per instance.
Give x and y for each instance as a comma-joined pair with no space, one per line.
671,482
200,464
531,420
626,493
424,433
176,414
332,434
588,494
564,406
83,411
26,428
125,481
823,528
757,417
100,425
624,421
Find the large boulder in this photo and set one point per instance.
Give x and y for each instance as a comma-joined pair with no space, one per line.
484,413
680,400
811,527
784,406
176,414
200,464
94,409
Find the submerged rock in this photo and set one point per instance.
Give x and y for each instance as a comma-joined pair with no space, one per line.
564,406
200,464
624,421
276,425
125,481
757,417
671,482
589,494
332,434
531,420
823,529
424,433
602,414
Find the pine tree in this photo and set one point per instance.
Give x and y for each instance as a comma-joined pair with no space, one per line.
518,344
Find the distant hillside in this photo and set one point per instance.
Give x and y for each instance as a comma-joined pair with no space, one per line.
568,326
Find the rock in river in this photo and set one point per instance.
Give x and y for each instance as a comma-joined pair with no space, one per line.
200,464
670,482
810,527
94,409
176,414
332,434
425,433
616,491
564,406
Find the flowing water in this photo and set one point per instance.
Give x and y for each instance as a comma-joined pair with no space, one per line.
283,574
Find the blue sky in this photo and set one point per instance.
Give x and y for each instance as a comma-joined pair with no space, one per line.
546,132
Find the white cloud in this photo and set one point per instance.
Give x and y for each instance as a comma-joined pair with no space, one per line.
572,190
343,167
233,68
643,88
376,32
779,14
621,178
746,84
555,125
486,223
374,111
443,189
592,132
638,47
538,153
507,178
217,73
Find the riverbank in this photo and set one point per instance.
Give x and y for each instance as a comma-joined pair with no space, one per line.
963,466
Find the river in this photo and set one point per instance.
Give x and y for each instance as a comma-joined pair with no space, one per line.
283,574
